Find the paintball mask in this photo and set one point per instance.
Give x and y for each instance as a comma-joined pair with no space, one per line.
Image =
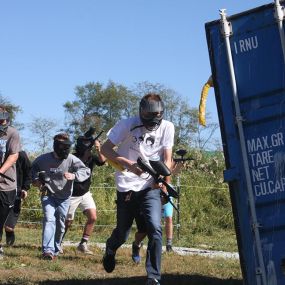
151,113
62,148
83,144
4,122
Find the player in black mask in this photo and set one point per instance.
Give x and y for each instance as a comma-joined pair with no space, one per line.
151,113
61,170
62,148
4,122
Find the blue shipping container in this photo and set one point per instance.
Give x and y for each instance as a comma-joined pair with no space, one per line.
247,62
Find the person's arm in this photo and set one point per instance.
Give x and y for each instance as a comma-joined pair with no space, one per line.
80,172
108,151
101,158
26,172
168,162
35,169
11,159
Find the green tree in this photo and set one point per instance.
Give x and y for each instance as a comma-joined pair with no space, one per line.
177,110
43,129
98,106
13,110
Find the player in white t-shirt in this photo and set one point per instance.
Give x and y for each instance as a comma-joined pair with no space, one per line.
147,136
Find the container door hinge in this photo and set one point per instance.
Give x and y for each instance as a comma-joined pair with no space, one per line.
279,11
226,26
279,16
240,119
256,226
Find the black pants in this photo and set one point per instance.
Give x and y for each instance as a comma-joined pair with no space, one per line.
7,199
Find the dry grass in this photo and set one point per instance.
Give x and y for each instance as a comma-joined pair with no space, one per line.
22,264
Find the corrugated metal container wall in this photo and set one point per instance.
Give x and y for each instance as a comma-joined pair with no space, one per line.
249,82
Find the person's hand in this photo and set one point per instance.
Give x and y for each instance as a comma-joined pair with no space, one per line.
134,168
163,199
37,183
69,176
159,186
24,194
177,167
97,144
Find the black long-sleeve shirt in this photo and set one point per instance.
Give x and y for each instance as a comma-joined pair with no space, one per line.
23,169
80,188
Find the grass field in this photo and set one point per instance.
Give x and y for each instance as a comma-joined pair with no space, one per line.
22,264
206,222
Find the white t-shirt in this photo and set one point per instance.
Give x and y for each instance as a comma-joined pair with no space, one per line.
135,142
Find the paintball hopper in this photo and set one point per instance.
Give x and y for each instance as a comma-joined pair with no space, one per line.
90,133
181,152
160,168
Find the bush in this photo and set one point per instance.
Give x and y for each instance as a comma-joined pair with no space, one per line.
204,199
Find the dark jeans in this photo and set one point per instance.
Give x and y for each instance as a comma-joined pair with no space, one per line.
131,204
7,199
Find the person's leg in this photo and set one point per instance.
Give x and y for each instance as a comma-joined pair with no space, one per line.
125,217
68,224
168,213
139,236
89,226
88,207
88,229
48,233
151,207
169,233
10,224
60,215
73,204
6,203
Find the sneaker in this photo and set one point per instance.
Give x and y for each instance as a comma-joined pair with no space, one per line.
48,256
1,252
136,253
169,248
152,281
82,247
10,238
109,262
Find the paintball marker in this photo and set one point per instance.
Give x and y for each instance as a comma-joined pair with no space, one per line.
7,177
181,153
157,170
44,179
90,134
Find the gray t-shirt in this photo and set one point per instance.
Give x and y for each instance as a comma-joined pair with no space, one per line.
55,168
9,144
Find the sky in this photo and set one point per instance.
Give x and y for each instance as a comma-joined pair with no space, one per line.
50,47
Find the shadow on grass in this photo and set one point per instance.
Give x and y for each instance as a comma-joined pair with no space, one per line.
166,279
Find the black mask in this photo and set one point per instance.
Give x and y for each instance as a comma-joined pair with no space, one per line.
3,128
149,110
82,145
62,148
